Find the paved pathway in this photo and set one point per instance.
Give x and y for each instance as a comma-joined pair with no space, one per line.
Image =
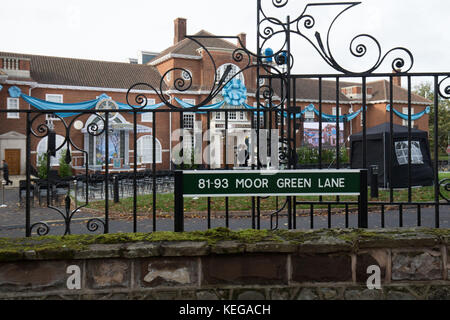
12,220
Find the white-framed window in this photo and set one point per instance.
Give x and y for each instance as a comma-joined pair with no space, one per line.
145,150
12,104
255,117
261,120
58,98
242,115
188,120
42,148
234,70
186,74
333,110
309,116
401,150
232,115
189,117
218,116
405,122
148,116
190,101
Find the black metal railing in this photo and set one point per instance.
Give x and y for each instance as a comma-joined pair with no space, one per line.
278,107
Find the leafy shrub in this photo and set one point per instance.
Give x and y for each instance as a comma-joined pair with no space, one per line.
42,166
65,169
310,155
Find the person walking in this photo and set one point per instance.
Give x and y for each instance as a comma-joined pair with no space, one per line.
5,169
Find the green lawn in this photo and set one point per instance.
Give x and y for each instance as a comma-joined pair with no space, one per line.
165,202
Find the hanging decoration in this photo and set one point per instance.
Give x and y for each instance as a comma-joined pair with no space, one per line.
414,117
53,106
15,92
187,105
124,106
234,93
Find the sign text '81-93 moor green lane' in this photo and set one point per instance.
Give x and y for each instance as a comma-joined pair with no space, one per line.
219,183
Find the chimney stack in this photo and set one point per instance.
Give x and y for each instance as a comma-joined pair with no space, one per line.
397,80
180,30
243,39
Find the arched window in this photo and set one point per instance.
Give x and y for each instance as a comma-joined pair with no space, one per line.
234,70
117,140
145,150
42,148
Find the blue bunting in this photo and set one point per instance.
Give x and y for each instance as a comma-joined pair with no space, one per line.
15,92
53,106
414,117
210,107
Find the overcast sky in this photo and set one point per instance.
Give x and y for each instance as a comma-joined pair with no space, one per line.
116,30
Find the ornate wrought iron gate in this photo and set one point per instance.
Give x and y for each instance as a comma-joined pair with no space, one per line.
277,108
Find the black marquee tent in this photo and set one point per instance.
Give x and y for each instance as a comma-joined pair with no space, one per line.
379,153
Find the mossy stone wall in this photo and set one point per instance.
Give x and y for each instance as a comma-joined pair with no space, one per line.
221,264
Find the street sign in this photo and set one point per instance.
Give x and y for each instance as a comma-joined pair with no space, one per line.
263,183
247,183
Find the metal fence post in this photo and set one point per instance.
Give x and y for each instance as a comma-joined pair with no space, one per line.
179,205
75,184
3,205
363,221
116,189
374,181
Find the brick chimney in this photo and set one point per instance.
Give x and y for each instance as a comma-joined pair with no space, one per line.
397,80
243,39
180,30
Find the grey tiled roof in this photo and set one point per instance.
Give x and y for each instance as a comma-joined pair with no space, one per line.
308,89
88,73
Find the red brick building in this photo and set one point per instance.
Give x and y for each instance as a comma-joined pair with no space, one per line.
67,80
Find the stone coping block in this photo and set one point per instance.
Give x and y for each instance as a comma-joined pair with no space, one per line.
228,247
271,247
393,239
184,249
217,241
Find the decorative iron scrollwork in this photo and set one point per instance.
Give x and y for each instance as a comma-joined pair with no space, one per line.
444,88
40,130
42,228
446,185
93,224
304,25
275,215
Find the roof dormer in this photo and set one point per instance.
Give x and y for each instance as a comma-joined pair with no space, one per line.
355,92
